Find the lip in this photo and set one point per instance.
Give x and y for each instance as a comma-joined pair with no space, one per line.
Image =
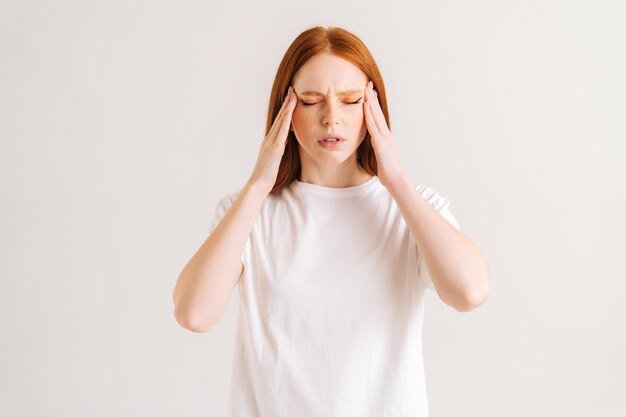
332,135
331,145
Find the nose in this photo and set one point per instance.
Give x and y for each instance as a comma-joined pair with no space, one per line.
331,113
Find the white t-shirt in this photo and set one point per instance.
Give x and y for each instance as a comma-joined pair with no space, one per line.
332,301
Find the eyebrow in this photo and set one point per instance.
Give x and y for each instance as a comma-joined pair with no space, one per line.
340,93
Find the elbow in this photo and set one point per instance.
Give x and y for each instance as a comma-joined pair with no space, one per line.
473,299
192,322
192,325
476,295
188,320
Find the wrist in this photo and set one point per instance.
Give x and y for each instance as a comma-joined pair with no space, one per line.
400,184
257,188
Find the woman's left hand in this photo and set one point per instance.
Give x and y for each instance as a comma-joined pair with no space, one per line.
389,170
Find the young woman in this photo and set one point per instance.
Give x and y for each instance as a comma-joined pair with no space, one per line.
332,249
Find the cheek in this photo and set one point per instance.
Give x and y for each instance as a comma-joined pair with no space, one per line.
300,119
297,113
361,116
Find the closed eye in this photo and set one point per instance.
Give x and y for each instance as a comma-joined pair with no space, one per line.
311,104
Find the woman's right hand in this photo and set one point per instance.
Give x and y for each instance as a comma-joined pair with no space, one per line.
273,146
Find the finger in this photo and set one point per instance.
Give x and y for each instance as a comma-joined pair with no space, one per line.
278,122
369,119
280,114
286,100
286,120
281,111
375,110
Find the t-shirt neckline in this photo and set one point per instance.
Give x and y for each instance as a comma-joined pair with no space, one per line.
307,187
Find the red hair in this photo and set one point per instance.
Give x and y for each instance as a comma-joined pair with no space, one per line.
309,43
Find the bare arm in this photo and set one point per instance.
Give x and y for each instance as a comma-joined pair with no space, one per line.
205,283
459,270
203,287
457,266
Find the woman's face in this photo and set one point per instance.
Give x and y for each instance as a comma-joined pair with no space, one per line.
326,87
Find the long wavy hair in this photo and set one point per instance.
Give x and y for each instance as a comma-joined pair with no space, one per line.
309,43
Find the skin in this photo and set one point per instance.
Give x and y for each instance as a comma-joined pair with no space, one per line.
458,268
329,112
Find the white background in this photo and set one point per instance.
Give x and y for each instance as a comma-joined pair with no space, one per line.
124,122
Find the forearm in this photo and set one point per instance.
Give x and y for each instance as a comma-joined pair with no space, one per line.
205,283
457,266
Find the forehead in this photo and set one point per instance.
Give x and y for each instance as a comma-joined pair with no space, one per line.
325,73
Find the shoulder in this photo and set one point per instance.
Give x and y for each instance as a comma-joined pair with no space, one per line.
439,202
432,196
228,198
225,202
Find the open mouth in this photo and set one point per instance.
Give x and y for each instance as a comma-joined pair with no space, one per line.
331,143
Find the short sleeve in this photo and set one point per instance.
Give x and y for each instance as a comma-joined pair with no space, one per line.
442,205
220,211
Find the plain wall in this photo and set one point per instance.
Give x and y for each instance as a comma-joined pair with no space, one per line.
124,122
